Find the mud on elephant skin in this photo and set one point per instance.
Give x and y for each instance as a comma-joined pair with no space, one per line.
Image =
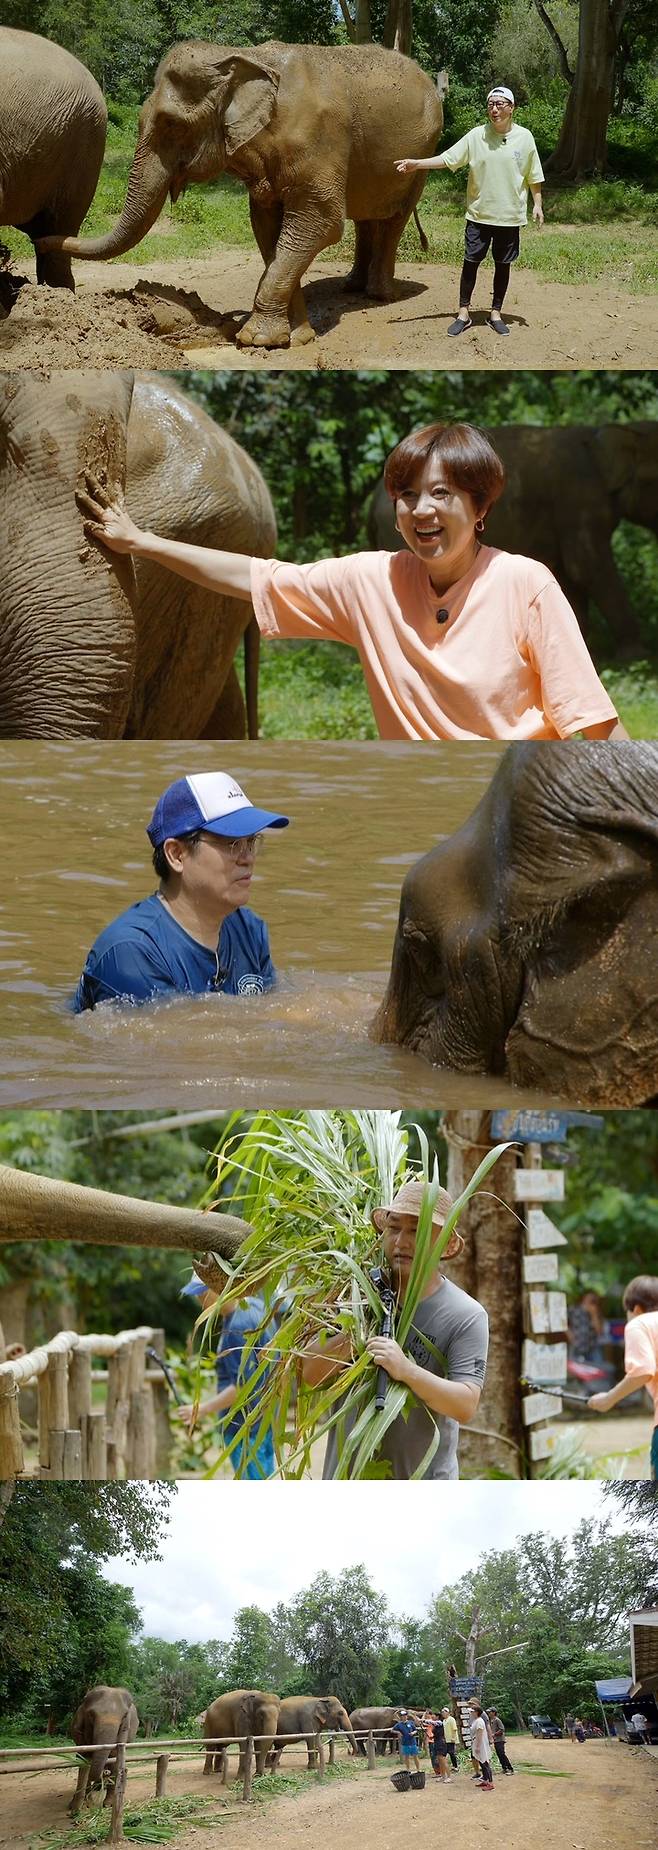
53,123
527,943
98,647
313,131
105,1714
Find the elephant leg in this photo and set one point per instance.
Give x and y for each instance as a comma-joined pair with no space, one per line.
381,274
53,267
303,233
228,718
80,1794
357,280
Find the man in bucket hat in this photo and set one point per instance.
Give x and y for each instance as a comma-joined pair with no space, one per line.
502,162
444,1357
196,933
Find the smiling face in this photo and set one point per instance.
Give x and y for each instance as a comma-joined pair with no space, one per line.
437,520
501,114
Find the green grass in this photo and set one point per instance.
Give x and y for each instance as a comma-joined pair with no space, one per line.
602,231
160,1821
635,694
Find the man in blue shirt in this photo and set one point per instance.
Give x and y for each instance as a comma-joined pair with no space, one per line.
195,933
246,1333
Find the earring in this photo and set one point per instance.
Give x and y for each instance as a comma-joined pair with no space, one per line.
479,525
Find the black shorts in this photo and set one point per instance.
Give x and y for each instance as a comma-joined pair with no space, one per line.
505,242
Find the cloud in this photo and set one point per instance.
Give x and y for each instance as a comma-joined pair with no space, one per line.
231,1545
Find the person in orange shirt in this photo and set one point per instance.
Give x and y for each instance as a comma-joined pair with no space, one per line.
640,1354
457,639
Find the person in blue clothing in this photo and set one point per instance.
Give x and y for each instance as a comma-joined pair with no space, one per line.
196,933
236,1361
407,1730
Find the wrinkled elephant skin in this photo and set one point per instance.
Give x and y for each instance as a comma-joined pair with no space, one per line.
314,132
91,645
53,123
526,944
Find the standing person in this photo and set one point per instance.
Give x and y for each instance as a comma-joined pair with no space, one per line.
498,1737
440,1758
452,1737
640,1356
428,1720
480,1749
502,163
578,1730
406,1729
236,1362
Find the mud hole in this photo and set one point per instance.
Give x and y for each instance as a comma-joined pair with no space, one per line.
175,315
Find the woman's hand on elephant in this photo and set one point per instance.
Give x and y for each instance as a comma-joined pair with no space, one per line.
405,166
386,1353
106,520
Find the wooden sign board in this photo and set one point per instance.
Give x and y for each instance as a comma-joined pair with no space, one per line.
540,1231
540,1407
544,1361
539,1185
543,1443
540,1268
547,1312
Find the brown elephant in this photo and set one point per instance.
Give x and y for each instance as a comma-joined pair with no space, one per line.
526,943
98,648
567,489
314,132
306,1716
53,123
241,1712
105,1716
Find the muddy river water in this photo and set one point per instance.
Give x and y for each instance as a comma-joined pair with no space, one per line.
75,855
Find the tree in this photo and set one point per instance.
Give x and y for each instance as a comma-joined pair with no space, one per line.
338,1629
250,1660
490,1270
582,146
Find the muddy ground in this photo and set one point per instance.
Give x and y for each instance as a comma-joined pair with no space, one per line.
608,1804
185,314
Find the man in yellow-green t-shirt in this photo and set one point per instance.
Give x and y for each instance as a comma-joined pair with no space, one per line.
502,163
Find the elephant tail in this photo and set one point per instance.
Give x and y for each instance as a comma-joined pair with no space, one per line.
251,645
424,243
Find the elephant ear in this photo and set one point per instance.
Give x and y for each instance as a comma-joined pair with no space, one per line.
252,92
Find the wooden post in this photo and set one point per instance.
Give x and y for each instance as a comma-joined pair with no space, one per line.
138,1454
95,1446
118,1795
161,1765
370,1744
58,1376
44,1421
12,1458
160,1393
319,1749
118,1407
79,1386
248,1767
332,1750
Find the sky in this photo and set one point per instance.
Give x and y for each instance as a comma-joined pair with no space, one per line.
238,1544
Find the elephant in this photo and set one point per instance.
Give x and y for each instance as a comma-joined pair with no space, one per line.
309,1715
526,942
105,1715
314,131
36,1208
53,123
567,489
239,1712
102,648
361,1719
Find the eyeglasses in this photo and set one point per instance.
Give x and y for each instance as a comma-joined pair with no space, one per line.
239,845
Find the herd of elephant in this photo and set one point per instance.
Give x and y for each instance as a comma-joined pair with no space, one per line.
313,131
107,1715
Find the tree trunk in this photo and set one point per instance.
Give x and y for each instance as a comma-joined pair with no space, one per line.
582,147
490,1269
362,22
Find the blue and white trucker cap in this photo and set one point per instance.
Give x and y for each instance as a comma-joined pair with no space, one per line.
194,1288
212,801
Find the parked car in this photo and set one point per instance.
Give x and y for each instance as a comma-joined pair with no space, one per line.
544,1729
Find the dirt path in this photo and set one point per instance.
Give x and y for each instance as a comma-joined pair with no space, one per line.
608,1804
112,322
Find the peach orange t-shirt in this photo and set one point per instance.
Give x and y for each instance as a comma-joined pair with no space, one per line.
641,1351
509,663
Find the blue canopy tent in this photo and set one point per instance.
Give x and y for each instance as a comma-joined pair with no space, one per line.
612,1692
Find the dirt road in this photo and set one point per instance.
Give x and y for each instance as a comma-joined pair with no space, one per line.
608,1804
111,322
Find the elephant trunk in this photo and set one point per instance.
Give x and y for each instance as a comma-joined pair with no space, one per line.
34,1207
67,613
148,185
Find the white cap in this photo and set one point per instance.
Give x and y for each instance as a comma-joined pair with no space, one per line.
501,90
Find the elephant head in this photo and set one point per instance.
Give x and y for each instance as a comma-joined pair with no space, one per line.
62,600
330,1713
526,943
105,1715
626,457
207,103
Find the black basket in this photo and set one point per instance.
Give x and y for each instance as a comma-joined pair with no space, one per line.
417,1781
401,1781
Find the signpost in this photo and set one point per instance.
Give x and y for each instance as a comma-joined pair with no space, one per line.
540,1126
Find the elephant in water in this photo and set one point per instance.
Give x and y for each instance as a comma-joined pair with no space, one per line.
526,943
567,490
53,123
105,1715
105,649
310,1715
314,132
241,1712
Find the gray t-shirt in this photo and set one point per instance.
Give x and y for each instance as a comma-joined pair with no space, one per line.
458,1327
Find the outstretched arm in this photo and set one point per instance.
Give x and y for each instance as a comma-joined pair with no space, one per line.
109,522
408,166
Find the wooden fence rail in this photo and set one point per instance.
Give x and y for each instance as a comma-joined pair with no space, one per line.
127,1438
